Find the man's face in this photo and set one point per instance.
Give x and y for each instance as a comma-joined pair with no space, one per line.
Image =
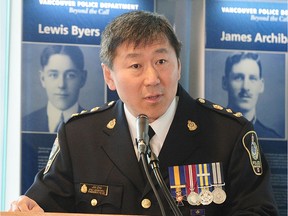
145,77
243,85
62,81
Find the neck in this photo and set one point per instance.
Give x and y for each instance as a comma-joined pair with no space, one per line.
250,115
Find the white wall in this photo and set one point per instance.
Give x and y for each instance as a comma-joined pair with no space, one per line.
3,49
11,24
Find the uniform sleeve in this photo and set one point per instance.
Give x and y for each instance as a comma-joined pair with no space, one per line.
53,186
248,183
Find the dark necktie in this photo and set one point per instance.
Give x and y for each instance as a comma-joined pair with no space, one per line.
151,132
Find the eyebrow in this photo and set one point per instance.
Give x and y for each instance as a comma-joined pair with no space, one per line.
52,70
134,55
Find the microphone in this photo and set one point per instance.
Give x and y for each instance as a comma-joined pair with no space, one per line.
142,138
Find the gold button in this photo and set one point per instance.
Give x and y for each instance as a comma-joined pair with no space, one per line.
94,202
238,114
218,107
146,203
229,110
201,100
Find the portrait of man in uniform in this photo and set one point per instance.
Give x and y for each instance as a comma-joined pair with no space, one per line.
248,84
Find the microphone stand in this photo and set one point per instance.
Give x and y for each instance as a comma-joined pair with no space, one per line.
142,148
154,163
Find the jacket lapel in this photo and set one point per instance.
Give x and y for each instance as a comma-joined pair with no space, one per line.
120,148
179,147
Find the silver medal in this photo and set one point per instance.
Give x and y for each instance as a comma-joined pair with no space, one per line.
194,199
206,196
219,195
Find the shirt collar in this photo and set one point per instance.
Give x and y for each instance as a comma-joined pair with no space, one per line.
160,131
54,115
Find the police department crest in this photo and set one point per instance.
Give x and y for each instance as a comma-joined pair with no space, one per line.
250,143
54,151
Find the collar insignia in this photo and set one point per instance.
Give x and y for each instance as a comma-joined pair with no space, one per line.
111,124
191,125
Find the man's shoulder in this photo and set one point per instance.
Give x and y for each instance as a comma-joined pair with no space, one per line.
264,131
102,110
220,110
37,115
37,112
36,120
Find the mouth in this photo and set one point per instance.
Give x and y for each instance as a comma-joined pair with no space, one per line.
245,96
61,95
153,98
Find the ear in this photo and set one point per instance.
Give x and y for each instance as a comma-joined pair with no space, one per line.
224,83
42,78
107,73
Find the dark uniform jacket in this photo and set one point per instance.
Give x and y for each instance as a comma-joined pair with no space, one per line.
38,120
93,167
264,131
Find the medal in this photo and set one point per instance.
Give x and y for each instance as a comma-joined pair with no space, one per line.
219,195
177,183
206,196
179,197
194,199
191,185
203,177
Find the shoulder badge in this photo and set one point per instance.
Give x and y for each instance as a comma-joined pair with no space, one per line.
54,151
93,110
219,108
251,145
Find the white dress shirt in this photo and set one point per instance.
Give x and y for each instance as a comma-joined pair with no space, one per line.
54,115
161,131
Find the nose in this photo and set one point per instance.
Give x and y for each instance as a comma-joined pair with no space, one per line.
246,84
61,81
152,76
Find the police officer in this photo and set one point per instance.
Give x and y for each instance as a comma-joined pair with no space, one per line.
209,156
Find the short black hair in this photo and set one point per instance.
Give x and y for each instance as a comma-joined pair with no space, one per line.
74,52
237,57
137,27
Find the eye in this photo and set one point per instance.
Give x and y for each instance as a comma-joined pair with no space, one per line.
161,61
53,75
253,78
238,77
71,75
135,66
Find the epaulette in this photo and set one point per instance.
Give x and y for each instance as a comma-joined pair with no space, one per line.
106,106
220,109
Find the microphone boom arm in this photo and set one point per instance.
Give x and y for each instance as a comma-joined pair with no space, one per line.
154,163
142,125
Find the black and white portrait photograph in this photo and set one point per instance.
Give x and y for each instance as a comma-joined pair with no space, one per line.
252,83
58,81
